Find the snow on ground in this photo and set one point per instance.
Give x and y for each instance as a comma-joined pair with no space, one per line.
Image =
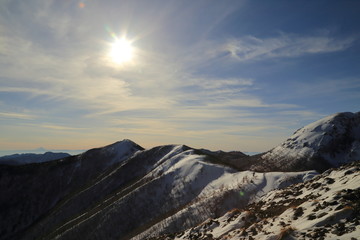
321,138
326,207
210,188
120,151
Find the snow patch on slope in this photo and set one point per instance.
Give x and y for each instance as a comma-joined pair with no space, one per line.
221,191
335,139
326,207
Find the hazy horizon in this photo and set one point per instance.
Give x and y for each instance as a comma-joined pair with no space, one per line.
221,75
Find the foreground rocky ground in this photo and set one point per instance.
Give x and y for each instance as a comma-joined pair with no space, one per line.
326,207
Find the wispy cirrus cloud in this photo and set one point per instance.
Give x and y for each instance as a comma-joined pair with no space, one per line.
187,79
165,99
15,115
58,127
251,48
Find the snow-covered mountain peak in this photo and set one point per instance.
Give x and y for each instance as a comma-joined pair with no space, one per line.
114,153
332,141
122,146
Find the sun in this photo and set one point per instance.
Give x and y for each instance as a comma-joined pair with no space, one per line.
121,51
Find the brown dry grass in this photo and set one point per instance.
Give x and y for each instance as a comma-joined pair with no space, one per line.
285,232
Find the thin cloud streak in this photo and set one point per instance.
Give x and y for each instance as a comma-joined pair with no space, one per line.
59,127
251,48
14,115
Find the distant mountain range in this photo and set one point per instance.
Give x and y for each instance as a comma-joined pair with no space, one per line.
123,191
26,158
39,151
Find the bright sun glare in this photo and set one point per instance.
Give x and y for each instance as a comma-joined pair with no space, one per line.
121,51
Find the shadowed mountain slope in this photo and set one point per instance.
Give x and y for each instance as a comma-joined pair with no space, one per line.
123,191
28,192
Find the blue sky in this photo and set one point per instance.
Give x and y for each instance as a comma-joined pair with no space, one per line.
231,75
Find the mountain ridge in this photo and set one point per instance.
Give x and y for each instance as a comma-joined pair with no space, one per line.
145,193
